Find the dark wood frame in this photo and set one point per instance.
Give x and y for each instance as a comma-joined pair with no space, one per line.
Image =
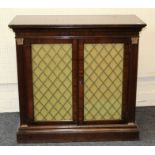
29,81
77,130
77,77
126,42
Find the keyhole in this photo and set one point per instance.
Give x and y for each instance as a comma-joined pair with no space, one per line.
81,81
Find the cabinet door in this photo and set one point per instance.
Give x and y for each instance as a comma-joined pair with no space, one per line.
50,73
103,80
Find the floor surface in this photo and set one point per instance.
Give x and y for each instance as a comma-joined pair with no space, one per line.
145,118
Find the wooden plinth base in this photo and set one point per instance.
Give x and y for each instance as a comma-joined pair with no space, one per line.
29,134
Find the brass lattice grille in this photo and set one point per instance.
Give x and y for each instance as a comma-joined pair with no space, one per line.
52,81
103,72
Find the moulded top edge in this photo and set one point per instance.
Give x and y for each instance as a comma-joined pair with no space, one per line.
75,21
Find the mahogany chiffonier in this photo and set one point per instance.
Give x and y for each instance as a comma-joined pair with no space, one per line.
77,77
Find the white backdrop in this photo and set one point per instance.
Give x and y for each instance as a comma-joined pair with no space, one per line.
8,78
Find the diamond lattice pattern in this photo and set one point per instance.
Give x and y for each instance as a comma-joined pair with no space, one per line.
103,72
52,81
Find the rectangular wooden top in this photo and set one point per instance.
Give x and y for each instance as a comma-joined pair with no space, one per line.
62,21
